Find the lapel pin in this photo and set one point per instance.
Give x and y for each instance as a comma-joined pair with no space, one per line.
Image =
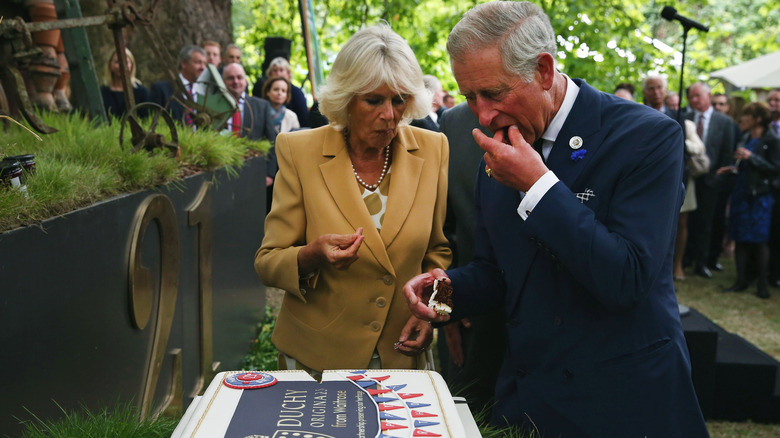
575,142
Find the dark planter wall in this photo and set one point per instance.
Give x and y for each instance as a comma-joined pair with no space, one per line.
67,329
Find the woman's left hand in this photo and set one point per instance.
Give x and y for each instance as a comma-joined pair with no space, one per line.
416,336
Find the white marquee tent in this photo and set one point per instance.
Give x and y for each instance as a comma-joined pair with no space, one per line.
761,72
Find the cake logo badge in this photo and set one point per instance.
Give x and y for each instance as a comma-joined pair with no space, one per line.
250,380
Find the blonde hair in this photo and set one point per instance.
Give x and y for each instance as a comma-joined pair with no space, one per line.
374,57
108,78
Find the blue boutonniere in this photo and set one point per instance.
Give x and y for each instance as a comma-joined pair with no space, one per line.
578,154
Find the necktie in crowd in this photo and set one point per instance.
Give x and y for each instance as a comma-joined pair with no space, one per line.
700,127
236,123
187,115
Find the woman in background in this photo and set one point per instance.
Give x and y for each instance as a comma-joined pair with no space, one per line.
113,94
750,211
277,91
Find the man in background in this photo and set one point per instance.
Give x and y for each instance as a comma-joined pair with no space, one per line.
253,118
232,55
672,101
716,130
213,52
192,62
449,101
474,347
431,121
773,101
654,94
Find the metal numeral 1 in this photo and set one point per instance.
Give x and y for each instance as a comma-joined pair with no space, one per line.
199,214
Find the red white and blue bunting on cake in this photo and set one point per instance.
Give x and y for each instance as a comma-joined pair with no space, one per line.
400,416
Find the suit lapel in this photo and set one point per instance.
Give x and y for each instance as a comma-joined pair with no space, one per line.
340,181
246,119
405,177
584,121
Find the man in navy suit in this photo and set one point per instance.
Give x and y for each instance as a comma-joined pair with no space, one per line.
192,62
574,241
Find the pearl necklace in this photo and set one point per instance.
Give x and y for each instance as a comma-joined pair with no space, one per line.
386,150
372,187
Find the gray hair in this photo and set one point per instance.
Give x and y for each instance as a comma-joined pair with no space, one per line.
374,57
186,52
706,87
279,61
652,78
521,31
432,83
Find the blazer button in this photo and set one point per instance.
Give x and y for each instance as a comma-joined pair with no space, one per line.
381,302
303,291
375,326
387,279
557,321
520,373
567,373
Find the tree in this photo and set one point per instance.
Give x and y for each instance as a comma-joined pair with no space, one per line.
605,42
175,24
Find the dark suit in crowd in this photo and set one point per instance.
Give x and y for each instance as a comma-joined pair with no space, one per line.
719,143
426,123
257,124
162,92
483,342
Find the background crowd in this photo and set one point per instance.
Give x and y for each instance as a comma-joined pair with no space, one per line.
731,204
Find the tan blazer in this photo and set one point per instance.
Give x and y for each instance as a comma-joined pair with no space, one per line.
339,320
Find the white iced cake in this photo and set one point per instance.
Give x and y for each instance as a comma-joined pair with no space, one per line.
346,404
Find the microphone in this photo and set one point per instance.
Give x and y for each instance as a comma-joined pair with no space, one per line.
671,14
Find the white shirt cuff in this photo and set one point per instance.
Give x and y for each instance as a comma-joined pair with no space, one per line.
535,194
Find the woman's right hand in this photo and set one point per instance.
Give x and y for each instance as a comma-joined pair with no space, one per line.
337,250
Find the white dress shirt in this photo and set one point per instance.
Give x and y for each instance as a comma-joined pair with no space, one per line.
543,184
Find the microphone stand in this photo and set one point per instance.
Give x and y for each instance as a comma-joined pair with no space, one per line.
682,308
686,28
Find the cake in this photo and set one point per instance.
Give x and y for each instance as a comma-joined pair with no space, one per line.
438,296
345,404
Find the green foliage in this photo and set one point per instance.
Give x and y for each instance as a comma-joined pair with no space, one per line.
83,163
263,355
605,42
120,422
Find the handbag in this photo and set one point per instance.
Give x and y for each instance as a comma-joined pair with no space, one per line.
698,161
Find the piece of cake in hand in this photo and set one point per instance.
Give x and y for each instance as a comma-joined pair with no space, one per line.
438,296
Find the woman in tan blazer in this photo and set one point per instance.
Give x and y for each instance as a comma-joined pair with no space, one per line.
358,210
